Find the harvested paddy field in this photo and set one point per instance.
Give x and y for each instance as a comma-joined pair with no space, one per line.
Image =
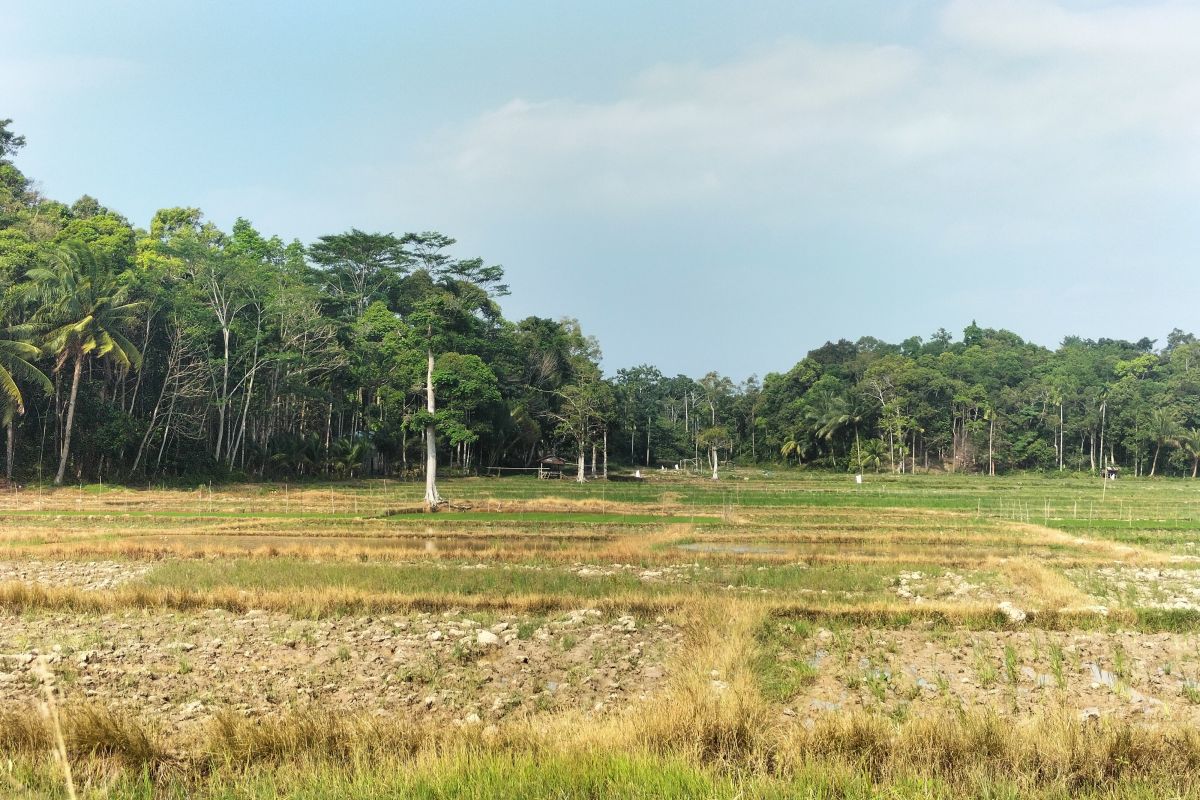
175,669
766,635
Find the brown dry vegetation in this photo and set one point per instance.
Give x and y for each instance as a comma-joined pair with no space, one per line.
895,662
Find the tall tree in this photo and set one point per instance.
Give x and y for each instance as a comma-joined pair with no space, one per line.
454,299
360,266
1163,429
16,357
81,311
580,418
714,438
1189,440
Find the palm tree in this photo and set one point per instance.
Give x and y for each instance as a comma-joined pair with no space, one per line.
1189,440
828,414
15,358
1164,429
796,445
346,456
81,307
790,447
298,452
831,414
870,454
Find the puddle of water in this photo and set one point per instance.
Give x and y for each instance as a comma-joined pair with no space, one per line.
732,547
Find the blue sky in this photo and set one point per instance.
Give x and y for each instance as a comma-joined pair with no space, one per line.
704,185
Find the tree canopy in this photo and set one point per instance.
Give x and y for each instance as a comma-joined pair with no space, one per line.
184,351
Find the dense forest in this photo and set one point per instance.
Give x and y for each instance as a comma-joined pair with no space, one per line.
186,352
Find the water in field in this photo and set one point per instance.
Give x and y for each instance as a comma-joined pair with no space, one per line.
737,548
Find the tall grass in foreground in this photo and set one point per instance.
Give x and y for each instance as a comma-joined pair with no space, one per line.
712,748
710,734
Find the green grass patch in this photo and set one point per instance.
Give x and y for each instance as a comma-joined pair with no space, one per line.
498,581
817,584
779,663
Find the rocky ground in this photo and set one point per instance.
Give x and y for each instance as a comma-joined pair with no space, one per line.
179,668
951,586
464,668
1089,674
79,574
669,573
1148,587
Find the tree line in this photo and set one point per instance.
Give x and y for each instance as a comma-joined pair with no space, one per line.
185,352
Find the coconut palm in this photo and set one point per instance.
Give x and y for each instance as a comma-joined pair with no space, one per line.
80,308
1164,429
298,453
869,454
1189,440
347,455
15,364
830,414
796,445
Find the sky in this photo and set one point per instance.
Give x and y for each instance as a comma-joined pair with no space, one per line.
704,185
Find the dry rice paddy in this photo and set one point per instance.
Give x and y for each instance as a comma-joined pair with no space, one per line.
769,635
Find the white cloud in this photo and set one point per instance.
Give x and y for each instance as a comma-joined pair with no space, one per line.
1043,27
1015,108
685,131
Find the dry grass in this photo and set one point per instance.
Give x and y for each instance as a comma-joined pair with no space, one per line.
712,709
1101,549
712,715
1054,750
730,730
310,603
1049,586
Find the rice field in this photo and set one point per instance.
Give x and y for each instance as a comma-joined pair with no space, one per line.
773,634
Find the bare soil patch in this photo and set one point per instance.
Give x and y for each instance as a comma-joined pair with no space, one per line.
1148,587
1093,674
79,574
179,669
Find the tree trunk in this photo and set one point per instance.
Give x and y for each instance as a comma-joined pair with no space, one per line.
579,475
66,446
162,448
991,439
137,384
1153,464
137,460
1060,437
432,498
953,439
11,446
237,441
224,399
712,454
606,454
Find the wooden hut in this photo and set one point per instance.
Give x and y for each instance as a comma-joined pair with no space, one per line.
551,467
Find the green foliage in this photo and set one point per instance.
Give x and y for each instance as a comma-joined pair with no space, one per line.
265,357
